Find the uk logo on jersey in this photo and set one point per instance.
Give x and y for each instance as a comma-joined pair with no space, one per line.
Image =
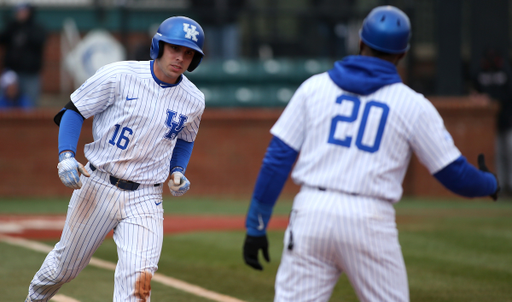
191,31
174,126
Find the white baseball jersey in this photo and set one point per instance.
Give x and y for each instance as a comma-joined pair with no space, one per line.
362,144
136,121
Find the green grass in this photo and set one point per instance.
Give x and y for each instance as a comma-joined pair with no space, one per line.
172,205
455,250
216,205
18,266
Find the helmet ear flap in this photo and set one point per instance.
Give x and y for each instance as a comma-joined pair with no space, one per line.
160,49
195,62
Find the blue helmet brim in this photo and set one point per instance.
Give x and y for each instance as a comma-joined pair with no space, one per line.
182,42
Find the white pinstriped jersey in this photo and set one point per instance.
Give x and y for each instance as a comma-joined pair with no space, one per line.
362,144
136,121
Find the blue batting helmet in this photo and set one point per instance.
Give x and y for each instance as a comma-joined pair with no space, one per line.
387,29
181,31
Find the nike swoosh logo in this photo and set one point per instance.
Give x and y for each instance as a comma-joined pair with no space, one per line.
130,99
261,224
158,203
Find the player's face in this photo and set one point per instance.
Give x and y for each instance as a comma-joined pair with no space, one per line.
174,61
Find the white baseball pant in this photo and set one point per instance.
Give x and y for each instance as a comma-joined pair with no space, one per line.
97,208
336,233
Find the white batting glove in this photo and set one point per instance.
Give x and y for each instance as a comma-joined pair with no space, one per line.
68,170
178,184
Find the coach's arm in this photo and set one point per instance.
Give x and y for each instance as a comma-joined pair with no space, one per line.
464,179
276,167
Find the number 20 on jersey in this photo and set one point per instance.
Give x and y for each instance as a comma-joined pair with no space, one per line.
363,126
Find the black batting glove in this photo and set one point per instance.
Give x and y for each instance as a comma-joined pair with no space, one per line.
483,167
252,245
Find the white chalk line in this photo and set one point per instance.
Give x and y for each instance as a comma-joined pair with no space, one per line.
62,298
43,223
160,278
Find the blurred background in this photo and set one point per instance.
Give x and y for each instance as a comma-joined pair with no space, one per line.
448,43
257,52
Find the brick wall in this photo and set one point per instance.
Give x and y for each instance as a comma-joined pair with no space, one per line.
473,128
227,154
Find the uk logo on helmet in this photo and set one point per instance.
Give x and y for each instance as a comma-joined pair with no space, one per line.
191,31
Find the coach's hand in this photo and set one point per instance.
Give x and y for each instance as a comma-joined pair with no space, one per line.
252,245
68,170
178,184
483,167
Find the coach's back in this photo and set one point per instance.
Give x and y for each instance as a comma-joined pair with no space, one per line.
360,125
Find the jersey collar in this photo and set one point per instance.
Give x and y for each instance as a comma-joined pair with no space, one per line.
161,83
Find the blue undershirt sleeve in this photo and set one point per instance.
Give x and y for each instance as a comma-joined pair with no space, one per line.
181,155
464,179
69,131
276,167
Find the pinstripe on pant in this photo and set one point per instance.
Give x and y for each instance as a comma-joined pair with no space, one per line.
334,233
93,212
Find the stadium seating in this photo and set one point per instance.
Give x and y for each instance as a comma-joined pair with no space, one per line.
254,83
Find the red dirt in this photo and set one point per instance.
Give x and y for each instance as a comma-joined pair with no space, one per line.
50,226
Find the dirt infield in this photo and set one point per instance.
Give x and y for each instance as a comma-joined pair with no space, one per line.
50,226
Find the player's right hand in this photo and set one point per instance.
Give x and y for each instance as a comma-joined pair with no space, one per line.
68,170
483,167
252,245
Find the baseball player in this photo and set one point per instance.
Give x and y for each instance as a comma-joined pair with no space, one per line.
352,131
146,118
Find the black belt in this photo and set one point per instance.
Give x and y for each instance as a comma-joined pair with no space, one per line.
121,183
325,189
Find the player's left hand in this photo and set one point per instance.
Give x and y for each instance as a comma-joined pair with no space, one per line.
178,184
252,245
483,167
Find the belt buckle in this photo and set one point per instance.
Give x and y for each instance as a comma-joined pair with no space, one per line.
117,182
